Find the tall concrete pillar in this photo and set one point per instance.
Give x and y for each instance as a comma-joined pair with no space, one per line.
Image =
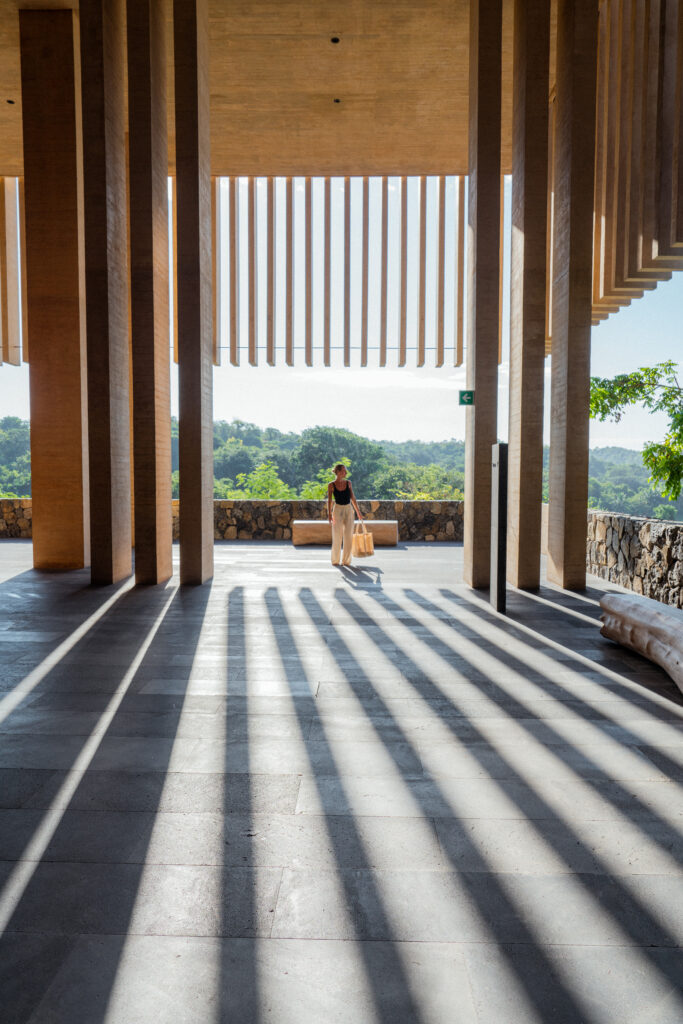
191,46
572,290
53,233
483,263
102,35
528,289
148,162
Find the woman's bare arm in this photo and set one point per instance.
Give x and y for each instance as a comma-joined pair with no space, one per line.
354,502
329,502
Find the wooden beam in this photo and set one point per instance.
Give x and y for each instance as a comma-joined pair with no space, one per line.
572,290
483,272
174,265
149,300
191,48
384,264
233,243
550,220
102,51
365,283
501,273
347,271
669,207
422,272
403,335
54,291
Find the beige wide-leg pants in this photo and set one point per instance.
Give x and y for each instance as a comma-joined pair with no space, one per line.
343,518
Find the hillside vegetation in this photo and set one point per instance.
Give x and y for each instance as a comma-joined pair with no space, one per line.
251,462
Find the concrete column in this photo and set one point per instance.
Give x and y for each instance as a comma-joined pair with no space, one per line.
10,315
483,273
572,289
53,228
527,289
148,170
216,271
102,36
191,44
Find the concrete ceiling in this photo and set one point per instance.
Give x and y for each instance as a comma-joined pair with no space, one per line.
399,71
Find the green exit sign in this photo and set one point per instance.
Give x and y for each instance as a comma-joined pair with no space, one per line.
466,398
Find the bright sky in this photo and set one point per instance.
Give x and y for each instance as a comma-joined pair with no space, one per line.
397,403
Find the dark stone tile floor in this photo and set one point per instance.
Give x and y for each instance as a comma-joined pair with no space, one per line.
303,794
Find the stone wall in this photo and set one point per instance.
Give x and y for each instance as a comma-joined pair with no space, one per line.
272,520
15,517
643,555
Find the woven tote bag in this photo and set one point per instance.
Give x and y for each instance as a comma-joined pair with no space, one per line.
363,545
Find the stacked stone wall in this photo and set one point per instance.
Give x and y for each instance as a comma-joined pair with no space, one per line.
272,520
15,517
643,555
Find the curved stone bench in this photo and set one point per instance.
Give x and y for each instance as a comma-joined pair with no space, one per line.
319,531
652,629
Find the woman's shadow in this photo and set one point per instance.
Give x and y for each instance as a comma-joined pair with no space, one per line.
365,576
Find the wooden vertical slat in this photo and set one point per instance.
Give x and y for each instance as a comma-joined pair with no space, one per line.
599,185
365,284
550,214
441,273
384,264
216,267
9,272
501,276
253,271
289,275
149,288
460,272
638,156
22,272
54,292
233,184
669,207
309,275
422,272
174,265
403,326
327,341
270,226
347,271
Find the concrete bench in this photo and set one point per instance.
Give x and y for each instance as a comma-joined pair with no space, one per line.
651,628
319,531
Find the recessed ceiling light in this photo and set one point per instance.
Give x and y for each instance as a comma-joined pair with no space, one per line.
11,102
335,39
337,101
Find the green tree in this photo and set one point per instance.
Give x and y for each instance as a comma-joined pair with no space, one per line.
656,388
231,458
262,482
325,446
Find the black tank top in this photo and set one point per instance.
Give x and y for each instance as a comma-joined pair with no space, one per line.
342,497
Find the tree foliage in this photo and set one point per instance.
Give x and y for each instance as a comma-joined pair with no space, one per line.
657,389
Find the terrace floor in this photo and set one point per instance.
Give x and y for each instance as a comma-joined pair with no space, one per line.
306,795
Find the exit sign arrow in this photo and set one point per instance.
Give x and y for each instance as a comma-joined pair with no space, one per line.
466,398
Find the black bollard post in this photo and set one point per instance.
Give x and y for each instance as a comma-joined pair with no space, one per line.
499,524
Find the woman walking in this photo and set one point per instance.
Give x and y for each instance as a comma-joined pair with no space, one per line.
341,491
